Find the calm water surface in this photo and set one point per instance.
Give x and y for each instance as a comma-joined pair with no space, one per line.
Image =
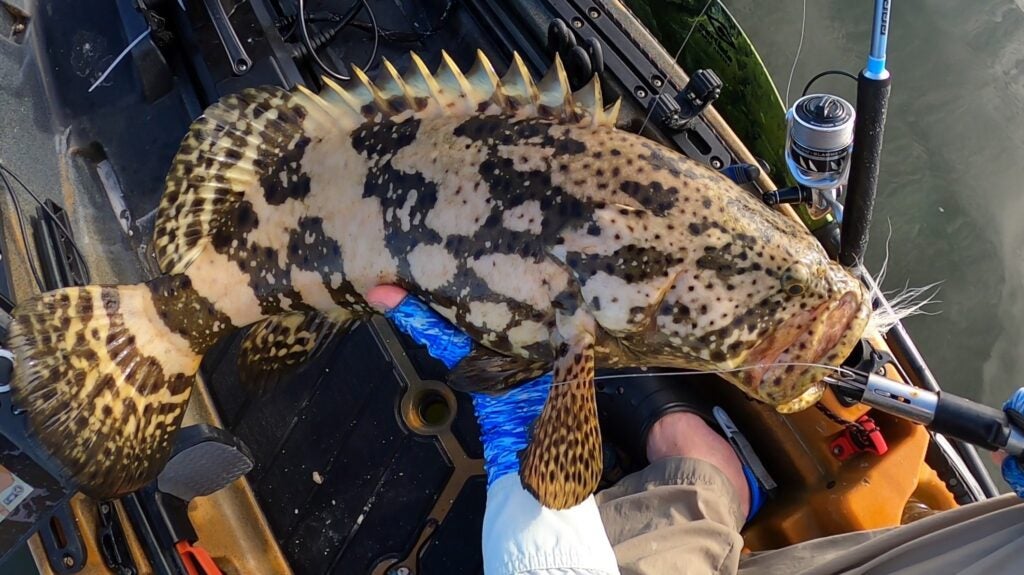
953,164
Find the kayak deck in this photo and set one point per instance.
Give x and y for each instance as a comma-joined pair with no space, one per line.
343,482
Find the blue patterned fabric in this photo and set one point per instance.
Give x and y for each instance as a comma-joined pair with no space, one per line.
442,340
505,423
504,419
1012,471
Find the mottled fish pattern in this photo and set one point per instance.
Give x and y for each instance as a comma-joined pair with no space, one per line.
515,208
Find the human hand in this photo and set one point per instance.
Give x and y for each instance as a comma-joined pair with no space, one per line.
504,419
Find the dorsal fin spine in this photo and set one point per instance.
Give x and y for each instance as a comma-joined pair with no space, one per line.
456,86
392,86
555,93
341,96
334,112
450,91
485,80
517,85
378,99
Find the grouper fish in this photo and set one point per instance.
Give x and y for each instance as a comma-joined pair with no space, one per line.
515,208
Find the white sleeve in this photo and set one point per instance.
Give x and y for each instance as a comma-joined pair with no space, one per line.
521,537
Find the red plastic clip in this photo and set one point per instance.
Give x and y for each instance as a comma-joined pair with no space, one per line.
197,561
864,436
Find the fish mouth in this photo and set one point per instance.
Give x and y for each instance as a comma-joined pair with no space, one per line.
786,368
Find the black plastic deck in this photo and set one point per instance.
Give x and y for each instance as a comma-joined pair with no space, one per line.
342,481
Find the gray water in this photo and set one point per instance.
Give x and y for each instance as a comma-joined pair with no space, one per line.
952,168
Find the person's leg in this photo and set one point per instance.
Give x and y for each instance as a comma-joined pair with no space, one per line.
681,514
684,434
985,538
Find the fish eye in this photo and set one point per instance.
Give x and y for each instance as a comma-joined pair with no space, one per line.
794,279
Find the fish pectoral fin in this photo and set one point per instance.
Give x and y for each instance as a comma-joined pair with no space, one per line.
562,464
279,345
487,371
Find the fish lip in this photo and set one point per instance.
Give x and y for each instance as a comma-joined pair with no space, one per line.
844,320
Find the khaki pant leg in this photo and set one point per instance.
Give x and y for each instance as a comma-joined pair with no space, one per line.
984,538
677,516
680,516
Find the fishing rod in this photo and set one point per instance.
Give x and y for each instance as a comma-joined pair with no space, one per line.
823,160
873,86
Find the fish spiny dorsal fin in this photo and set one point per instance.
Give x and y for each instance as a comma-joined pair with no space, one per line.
379,99
356,98
611,114
591,102
393,89
485,82
339,115
449,91
518,88
422,87
459,95
555,98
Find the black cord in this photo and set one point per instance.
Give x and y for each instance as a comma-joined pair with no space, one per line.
827,73
304,36
20,215
53,217
409,37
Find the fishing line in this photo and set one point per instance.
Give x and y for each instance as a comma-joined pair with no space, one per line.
675,58
117,60
799,47
842,371
53,217
20,216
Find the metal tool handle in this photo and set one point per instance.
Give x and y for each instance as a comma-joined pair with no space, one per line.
941,412
240,61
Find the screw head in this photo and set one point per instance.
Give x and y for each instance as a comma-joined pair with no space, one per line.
594,13
657,82
837,451
402,571
69,561
641,93
577,23
716,163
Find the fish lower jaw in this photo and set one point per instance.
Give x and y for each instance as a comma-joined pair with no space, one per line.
789,373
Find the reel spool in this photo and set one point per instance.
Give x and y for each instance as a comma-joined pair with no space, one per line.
819,142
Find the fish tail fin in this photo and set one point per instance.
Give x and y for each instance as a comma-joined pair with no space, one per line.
104,379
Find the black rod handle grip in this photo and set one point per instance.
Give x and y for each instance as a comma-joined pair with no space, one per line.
970,421
872,101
